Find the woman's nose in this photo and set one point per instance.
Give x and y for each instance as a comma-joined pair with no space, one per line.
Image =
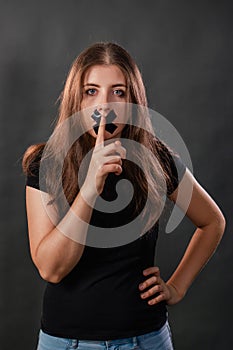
103,106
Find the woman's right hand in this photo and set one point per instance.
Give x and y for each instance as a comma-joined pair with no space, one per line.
105,159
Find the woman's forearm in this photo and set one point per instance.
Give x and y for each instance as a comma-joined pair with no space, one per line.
61,249
201,247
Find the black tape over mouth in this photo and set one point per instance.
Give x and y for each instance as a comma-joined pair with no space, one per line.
110,127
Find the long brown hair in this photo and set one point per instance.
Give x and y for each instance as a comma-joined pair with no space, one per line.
70,103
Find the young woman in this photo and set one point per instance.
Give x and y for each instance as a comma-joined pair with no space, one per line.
100,297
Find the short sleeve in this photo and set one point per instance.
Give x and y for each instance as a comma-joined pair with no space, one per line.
172,166
32,179
178,169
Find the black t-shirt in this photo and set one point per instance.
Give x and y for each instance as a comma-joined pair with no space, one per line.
99,299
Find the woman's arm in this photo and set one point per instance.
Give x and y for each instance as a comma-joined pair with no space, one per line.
53,251
210,223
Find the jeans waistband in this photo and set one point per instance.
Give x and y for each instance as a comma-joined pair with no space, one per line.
130,340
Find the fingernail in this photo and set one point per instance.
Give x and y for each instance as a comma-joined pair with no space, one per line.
141,286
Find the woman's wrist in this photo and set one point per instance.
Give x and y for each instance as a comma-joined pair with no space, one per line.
175,294
88,195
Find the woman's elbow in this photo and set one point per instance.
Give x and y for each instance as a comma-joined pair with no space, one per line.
219,224
50,277
222,224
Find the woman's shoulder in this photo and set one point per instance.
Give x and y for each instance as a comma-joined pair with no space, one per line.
32,157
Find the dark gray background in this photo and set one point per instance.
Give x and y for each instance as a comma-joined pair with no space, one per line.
184,50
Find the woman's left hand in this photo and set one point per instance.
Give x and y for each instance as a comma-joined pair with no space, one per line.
165,291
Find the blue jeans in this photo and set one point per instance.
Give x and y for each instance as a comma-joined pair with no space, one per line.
156,340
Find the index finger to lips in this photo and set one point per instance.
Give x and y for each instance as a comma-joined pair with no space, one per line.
100,135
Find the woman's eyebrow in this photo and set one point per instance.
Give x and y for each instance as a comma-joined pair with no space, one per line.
91,84
114,85
120,84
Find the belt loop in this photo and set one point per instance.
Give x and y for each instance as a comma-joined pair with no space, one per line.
74,343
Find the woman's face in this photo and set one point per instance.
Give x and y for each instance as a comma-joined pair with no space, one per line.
103,86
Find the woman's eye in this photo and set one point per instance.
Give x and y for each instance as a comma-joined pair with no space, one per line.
119,93
90,92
